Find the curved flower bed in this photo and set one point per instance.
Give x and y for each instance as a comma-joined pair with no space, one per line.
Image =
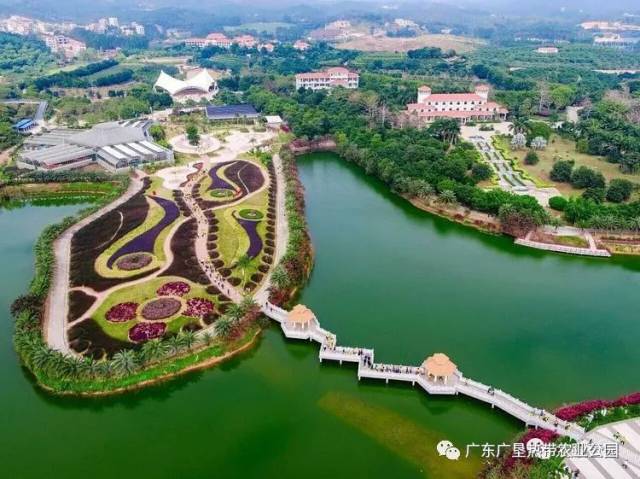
145,241
134,261
146,331
173,288
216,181
198,307
161,308
250,214
255,242
122,312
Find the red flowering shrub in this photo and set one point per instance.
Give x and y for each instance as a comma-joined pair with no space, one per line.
198,307
174,288
145,331
122,312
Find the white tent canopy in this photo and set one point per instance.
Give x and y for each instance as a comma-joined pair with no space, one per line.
201,82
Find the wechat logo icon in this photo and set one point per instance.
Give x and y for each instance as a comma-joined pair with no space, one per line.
447,449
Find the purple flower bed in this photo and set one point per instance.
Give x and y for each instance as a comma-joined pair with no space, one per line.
198,307
122,312
160,308
174,288
144,242
255,242
246,175
146,331
216,181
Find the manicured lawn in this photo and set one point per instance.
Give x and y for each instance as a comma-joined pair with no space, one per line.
233,240
574,241
141,293
563,149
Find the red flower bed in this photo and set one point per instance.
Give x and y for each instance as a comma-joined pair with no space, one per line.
174,288
145,331
122,312
575,411
198,307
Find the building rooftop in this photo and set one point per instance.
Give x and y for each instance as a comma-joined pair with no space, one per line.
201,82
229,112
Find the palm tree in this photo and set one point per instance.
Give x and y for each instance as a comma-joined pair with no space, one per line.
188,338
152,350
207,338
243,262
234,312
125,362
247,304
224,327
280,278
448,197
174,345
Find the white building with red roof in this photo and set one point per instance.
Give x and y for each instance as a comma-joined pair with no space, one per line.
301,45
463,107
327,79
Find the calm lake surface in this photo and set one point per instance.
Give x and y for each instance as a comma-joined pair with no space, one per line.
547,328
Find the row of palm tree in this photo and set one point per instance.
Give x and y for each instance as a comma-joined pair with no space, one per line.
230,323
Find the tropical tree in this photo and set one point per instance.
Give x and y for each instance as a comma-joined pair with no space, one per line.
224,327
279,277
152,350
539,143
445,129
448,197
518,141
124,362
192,134
243,263
188,338
235,312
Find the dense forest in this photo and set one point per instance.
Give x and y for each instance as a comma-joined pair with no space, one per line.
20,54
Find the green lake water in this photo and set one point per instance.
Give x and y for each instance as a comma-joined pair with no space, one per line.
547,328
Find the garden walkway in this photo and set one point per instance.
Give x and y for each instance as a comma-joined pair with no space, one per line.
56,307
626,434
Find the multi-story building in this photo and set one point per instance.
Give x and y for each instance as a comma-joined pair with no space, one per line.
301,45
327,79
245,41
113,21
615,40
547,50
463,107
67,46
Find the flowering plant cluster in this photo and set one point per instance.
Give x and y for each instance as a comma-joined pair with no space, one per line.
574,411
122,312
174,288
198,307
145,331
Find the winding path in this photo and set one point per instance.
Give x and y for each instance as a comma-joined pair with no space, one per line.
56,306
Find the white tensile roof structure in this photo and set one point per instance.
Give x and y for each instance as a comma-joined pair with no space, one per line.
201,82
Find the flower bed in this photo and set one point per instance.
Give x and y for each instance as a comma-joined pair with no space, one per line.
122,312
146,331
255,242
249,214
161,308
132,262
198,307
174,288
221,193
218,183
146,241
575,411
